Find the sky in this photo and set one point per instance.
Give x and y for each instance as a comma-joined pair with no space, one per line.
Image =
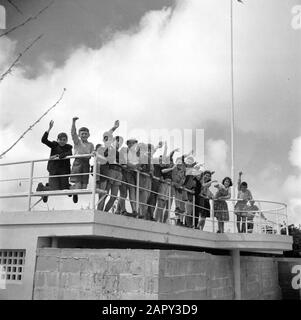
163,64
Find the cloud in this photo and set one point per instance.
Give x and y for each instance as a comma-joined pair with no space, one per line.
216,158
295,153
292,185
167,72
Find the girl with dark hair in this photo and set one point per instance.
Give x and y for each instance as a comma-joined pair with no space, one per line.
221,211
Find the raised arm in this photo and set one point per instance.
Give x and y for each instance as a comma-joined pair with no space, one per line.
209,183
45,136
116,125
164,156
185,155
168,169
172,154
73,131
159,146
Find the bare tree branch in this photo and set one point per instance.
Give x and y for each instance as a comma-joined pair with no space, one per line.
15,6
9,70
26,21
30,128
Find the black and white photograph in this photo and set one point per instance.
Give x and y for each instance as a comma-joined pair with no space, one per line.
150,150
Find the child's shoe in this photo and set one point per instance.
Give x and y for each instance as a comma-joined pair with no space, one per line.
75,198
41,187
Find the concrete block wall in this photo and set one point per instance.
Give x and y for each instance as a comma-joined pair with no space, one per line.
194,275
71,274
259,278
149,274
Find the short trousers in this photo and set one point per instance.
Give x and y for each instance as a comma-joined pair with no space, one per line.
116,176
130,177
102,173
187,196
80,165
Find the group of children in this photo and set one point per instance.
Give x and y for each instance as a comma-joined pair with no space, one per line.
120,168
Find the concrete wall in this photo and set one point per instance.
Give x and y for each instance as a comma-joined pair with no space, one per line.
191,275
259,278
96,274
149,274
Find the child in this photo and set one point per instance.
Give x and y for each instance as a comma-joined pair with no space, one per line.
252,211
166,191
105,167
178,179
114,172
80,165
245,195
59,150
221,211
189,184
153,197
129,161
146,167
102,169
202,197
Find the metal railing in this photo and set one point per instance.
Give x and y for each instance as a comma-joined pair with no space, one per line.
269,217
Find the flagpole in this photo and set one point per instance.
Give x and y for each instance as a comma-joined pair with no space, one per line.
232,102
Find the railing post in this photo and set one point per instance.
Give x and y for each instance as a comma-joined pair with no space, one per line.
137,193
193,210
94,181
30,184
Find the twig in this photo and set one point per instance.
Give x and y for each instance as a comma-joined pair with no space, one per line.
9,70
26,21
30,128
15,6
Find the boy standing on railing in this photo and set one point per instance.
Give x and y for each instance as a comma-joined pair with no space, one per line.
80,165
59,150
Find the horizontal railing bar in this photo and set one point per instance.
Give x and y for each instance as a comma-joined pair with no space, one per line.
89,155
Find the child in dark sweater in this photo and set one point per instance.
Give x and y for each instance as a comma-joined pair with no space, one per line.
59,150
